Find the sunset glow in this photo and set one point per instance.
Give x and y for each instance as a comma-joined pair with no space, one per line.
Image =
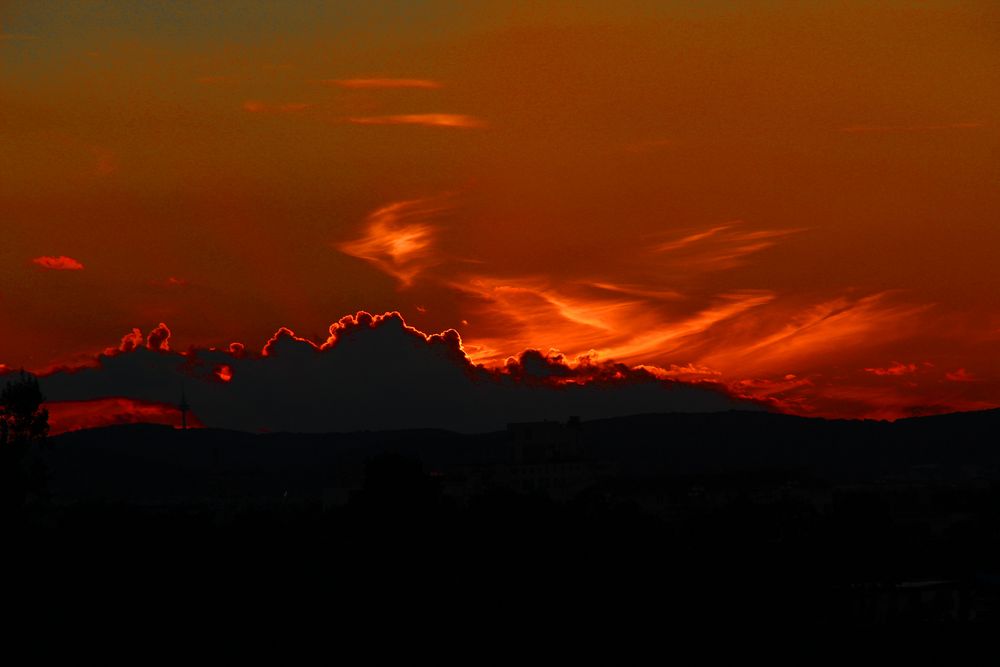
65,416
795,203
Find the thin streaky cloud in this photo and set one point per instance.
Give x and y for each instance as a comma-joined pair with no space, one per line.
426,119
960,375
60,263
383,83
691,238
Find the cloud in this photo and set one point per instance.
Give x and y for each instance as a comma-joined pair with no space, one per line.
960,375
159,338
660,309
804,337
60,263
896,369
375,372
129,342
615,324
427,119
383,83
720,247
398,238
690,239
758,344
171,282
74,415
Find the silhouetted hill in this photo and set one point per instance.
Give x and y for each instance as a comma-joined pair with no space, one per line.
831,449
150,463
154,463
719,520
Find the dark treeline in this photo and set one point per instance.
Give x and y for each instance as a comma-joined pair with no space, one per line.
726,519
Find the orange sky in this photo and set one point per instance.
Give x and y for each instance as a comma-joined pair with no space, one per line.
799,199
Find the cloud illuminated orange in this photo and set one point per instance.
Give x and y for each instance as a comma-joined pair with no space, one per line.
895,369
960,375
159,338
428,119
398,238
60,263
795,201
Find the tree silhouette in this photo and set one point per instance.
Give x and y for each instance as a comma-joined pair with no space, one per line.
23,422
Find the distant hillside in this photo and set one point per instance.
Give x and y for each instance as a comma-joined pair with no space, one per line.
148,463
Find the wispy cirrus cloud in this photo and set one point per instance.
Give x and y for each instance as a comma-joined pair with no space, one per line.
660,310
691,239
60,263
894,369
368,83
720,247
398,238
581,318
803,336
425,119
960,375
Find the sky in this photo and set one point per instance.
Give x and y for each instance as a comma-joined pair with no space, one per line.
796,201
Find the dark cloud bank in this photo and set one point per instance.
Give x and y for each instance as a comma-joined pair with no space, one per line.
373,373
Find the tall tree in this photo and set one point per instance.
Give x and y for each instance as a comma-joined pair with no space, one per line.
23,422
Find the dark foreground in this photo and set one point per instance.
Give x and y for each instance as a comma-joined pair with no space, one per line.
736,519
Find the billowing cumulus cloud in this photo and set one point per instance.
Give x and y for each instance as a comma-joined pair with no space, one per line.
159,338
60,263
650,190
373,372
657,311
129,342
